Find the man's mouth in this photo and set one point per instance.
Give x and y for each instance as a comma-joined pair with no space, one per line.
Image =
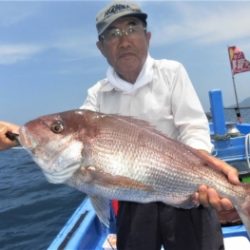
127,54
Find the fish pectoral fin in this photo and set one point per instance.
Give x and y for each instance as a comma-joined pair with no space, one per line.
89,173
99,177
102,209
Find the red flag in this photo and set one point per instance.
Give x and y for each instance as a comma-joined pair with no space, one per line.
237,59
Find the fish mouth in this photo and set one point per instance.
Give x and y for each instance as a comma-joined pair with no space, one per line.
58,160
25,139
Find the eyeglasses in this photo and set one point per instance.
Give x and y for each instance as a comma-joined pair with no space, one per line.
115,34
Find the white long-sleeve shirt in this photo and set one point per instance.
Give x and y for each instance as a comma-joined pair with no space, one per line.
168,102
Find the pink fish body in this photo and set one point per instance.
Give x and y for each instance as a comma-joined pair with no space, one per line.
118,157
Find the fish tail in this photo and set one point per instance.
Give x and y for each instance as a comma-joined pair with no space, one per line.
243,209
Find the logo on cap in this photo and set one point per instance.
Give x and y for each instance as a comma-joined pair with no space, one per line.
117,8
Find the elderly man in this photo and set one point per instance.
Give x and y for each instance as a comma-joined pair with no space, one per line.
160,92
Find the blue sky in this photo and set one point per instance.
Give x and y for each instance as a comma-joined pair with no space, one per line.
48,54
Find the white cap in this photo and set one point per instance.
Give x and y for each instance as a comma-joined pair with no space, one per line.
115,10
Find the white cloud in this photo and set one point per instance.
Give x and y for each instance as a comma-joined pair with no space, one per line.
13,12
11,54
205,23
72,44
76,43
198,22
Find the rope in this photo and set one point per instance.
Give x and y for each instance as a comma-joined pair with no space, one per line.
221,137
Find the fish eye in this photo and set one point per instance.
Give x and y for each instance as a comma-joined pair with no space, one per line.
57,127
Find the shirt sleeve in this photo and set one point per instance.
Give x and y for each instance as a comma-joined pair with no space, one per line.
189,116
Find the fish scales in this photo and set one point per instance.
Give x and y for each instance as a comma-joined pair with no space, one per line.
118,157
141,152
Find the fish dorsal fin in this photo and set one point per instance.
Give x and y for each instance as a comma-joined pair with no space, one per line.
132,121
100,119
135,121
102,209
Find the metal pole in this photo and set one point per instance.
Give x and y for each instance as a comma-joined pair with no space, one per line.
237,108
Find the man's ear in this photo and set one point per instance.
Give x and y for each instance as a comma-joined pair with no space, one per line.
148,35
99,45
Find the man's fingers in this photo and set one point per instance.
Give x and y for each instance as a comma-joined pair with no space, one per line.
214,199
203,195
228,170
209,197
226,204
222,166
233,176
5,142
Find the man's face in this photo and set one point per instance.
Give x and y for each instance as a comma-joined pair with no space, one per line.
125,46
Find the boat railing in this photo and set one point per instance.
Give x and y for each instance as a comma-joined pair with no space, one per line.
231,140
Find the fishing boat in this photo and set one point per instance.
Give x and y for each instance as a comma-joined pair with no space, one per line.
231,143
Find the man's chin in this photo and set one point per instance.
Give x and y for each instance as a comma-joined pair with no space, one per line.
128,61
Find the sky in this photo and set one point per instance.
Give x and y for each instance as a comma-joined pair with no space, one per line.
48,54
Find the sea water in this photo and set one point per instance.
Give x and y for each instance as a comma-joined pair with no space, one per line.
32,211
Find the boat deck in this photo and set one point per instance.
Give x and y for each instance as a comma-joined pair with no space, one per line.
84,231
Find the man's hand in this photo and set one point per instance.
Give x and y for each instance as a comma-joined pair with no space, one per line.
208,196
5,142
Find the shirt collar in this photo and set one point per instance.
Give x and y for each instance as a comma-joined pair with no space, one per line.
114,82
